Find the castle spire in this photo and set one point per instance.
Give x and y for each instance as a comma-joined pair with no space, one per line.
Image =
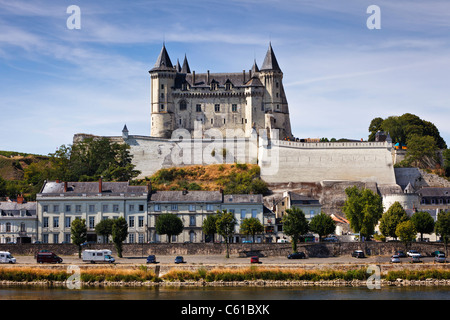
185,68
163,61
255,68
270,61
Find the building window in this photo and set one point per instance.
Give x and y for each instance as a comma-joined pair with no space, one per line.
243,213
45,222
183,105
131,222
191,220
115,208
92,208
192,207
209,207
8,227
140,221
56,238
234,108
141,238
78,208
55,222
68,221
254,213
174,207
105,208
22,227
162,86
157,207
91,222
56,208
198,108
162,107
131,238
174,238
131,208
217,107
141,208
67,238
68,208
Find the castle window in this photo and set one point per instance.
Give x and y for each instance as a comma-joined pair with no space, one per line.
278,107
234,108
276,84
212,120
214,85
217,108
227,86
162,86
184,86
183,105
198,108
162,107
162,95
223,121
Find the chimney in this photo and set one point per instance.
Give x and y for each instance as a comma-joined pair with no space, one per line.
100,185
57,181
193,78
250,73
65,186
149,187
243,74
20,199
207,77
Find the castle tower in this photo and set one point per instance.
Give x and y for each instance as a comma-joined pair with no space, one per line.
275,102
162,106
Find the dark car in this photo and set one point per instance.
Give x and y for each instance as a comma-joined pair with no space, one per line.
436,253
416,259
358,254
151,259
440,258
297,255
179,259
400,254
48,257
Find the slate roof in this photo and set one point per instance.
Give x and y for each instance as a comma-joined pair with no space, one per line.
242,198
13,209
434,192
270,61
163,62
186,196
53,188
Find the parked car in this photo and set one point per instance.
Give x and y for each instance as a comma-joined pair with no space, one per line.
358,254
395,259
416,259
331,239
440,258
297,255
436,253
179,259
48,257
400,254
151,259
254,259
413,253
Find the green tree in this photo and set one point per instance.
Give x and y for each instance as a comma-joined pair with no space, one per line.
295,225
322,224
119,234
169,224
225,225
446,162
209,226
423,222
422,152
78,232
104,229
251,226
374,127
391,218
363,209
406,232
442,228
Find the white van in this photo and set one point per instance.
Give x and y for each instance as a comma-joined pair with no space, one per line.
6,257
94,256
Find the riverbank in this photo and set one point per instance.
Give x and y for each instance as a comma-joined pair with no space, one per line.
254,276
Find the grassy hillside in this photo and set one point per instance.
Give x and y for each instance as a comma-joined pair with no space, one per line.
12,165
232,178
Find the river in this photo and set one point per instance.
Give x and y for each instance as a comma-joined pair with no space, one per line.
226,293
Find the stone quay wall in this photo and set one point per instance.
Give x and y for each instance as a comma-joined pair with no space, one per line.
261,249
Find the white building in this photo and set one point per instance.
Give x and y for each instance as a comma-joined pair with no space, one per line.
18,221
60,203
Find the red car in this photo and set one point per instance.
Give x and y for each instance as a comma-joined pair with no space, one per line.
254,260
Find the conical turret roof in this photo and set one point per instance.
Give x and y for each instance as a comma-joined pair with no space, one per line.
163,62
185,68
270,61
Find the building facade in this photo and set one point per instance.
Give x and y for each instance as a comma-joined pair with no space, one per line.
242,101
18,221
60,203
192,207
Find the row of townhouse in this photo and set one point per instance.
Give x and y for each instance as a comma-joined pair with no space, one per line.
58,204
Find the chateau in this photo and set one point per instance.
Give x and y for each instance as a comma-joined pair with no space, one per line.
241,101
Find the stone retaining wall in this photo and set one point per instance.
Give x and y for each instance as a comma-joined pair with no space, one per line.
262,249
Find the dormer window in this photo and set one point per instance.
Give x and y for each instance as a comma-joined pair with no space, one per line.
214,85
184,86
183,105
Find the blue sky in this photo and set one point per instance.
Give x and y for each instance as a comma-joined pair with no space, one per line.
338,74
